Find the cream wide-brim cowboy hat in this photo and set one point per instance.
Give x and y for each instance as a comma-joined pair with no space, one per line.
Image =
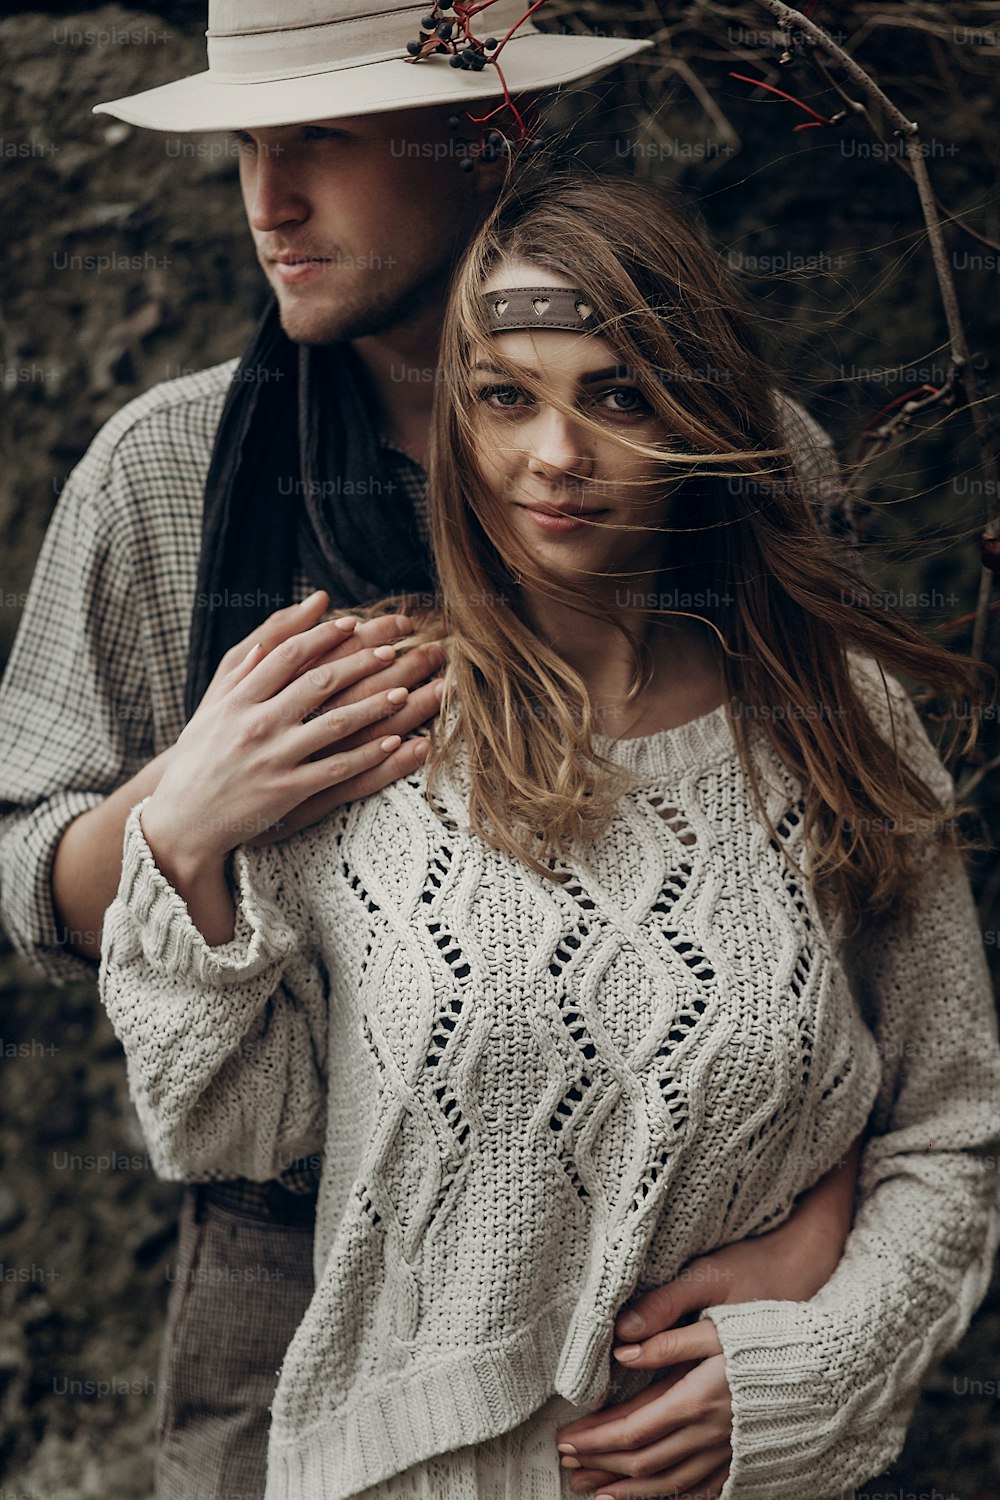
285,62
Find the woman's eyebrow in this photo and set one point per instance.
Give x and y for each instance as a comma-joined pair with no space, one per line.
613,372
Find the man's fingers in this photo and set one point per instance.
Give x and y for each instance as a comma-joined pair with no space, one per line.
278,627
656,1310
697,1341
281,666
384,630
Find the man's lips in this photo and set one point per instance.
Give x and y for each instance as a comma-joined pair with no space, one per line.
296,258
296,267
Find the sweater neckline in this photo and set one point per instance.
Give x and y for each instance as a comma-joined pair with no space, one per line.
689,746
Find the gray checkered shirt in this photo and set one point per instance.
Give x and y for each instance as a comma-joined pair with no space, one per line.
94,686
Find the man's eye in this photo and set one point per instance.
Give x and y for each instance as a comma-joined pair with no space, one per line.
245,144
502,397
625,399
321,133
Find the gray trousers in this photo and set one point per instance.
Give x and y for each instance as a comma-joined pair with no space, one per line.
244,1278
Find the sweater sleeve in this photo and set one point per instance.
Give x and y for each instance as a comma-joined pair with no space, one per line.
823,1390
225,1045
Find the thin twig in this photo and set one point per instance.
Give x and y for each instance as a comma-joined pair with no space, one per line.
795,20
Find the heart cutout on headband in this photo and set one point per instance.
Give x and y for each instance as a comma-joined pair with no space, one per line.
541,305
584,309
500,306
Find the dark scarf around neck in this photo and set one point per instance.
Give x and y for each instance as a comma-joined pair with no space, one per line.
297,479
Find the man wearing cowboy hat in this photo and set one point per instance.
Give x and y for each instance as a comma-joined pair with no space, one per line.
215,500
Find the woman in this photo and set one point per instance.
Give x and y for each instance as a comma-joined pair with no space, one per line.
618,974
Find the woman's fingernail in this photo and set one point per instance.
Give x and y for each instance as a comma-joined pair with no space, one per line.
345,622
566,1448
398,695
421,748
391,742
312,598
570,1463
628,1351
439,690
631,1324
385,653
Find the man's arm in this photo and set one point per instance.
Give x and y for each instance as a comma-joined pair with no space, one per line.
87,862
75,724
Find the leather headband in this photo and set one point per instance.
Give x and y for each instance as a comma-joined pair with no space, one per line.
513,309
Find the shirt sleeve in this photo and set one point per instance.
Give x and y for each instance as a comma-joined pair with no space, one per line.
823,1390
225,1046
74,714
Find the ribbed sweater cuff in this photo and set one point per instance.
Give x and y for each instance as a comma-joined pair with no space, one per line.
172,943
780,1401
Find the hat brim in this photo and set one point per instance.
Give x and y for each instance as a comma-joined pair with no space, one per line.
200,102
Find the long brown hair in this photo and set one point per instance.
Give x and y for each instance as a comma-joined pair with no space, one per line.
785,605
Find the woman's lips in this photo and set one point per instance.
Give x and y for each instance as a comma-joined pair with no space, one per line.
559,521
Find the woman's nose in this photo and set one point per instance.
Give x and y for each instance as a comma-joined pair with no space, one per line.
558,446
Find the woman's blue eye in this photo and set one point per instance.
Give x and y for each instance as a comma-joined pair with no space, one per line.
626,399
622,399
506,395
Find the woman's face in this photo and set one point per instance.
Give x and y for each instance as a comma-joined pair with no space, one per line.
566,491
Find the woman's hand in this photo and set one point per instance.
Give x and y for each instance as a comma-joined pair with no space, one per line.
411,669
263,741
789,1263
673,1438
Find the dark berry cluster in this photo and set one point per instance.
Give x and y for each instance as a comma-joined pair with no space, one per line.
439,34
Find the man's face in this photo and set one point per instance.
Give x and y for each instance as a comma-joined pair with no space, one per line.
357,220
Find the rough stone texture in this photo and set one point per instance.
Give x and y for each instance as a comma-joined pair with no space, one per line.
87,1232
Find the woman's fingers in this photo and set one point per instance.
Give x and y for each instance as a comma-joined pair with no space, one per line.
681,1457
696,1341
595,1422
402,761
700,1478
702,1394
419,707
324,734
582,1480
407,669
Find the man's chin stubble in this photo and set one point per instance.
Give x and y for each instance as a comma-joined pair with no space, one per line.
335,323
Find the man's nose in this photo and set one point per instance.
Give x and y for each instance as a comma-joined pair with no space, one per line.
274,197
558,446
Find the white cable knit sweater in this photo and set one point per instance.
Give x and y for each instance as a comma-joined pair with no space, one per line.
533,1099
